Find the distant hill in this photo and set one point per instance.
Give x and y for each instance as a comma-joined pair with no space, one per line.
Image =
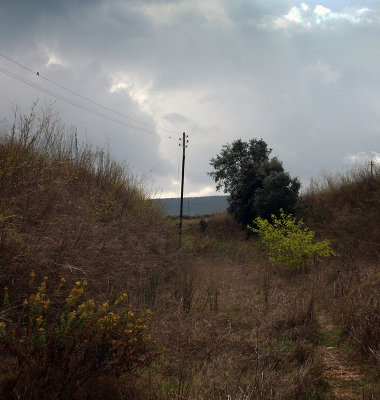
194,205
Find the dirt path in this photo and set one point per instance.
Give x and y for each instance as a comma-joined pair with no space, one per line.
345,379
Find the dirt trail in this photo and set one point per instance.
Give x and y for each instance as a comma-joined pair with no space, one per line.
345,379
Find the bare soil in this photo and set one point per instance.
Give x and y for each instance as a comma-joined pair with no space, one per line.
345,378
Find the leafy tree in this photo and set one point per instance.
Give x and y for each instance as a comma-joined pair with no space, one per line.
290,242
257,185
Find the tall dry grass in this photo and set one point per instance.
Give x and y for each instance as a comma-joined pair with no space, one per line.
68,209
233,325
345,208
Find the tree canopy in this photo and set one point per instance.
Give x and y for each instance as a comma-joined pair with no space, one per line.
257,185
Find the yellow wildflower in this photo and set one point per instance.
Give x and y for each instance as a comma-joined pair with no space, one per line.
121,298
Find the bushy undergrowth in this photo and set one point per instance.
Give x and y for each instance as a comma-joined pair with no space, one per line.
53,347
359,315
290,241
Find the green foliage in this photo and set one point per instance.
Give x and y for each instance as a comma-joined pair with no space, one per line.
59,345
290,242
257,186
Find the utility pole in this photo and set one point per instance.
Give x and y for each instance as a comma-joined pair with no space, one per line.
371,168
184,141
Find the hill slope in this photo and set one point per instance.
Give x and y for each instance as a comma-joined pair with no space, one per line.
66,211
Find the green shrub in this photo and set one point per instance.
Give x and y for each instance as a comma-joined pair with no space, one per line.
54,346
290,242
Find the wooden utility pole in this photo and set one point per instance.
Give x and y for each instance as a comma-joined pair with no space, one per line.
182,183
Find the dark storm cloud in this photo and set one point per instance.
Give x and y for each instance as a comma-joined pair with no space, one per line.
302,75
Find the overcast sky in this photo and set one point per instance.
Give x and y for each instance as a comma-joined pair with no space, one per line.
303,76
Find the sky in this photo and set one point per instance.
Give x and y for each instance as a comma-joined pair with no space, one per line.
302,75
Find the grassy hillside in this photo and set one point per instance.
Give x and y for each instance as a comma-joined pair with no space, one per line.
227,323
69,210
346,208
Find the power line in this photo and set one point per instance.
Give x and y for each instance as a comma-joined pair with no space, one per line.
25,81
73,103
85,98
163,161
170,154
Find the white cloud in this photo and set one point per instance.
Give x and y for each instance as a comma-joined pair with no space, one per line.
137,89
205,191
294,15
357,158
320,10
362,157
54,60
305,18
376,157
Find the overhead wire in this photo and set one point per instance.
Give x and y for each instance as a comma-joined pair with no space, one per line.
163,161
85,98
169,155
158,166
99,114
34,85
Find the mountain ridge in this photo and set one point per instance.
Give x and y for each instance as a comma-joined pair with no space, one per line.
199,205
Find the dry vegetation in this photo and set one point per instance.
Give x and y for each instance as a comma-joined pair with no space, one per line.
233,325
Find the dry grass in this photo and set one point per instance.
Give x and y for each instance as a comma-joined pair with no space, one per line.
234,326
345,208
243,333
69,210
